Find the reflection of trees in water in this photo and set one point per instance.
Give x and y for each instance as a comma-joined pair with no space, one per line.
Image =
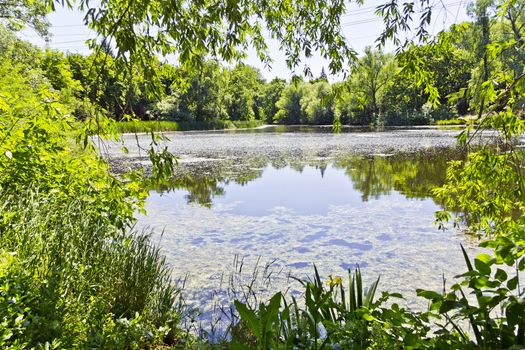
412,174
208,181
201,190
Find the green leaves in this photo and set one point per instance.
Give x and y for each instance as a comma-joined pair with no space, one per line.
20,14
264,323
491,292
141,30
483,262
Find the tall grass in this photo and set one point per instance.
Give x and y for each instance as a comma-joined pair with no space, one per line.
337,313
163,125
93,285
467,120
450,122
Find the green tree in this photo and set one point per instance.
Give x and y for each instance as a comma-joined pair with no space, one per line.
243,93
289,105
199,96
369,80
271,92
57,70
18,51
317,103
18,14
140,30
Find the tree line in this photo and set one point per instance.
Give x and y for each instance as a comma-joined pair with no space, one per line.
375,93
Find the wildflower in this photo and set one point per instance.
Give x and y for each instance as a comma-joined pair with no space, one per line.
334,281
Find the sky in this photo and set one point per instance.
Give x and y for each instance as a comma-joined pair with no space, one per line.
360,26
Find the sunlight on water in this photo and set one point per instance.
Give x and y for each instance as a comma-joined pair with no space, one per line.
374,212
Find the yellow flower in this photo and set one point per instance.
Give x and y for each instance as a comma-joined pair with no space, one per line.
334,281
338,280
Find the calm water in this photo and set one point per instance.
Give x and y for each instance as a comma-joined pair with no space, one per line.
374,211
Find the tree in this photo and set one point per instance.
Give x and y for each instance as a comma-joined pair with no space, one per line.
270,94
289,105
141,30
195,96
57,70
369,79
17,14
317,103
16,50
479,9
242,92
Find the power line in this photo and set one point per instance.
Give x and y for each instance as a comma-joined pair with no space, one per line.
70,42
375,19
58,35
69,26
343,25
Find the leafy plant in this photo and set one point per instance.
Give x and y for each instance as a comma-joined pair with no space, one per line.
329,317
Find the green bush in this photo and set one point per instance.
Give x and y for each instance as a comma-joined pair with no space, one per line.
77,275
17,301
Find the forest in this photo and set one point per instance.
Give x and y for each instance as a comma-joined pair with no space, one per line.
375,93
76,273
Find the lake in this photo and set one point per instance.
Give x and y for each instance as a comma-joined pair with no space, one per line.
293,198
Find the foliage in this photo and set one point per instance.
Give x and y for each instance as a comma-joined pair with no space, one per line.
289,105
270,95
18,14
494,292
369,81
334,317
73,274
445,122
79,277
17,51
17,299
373,93
488,186
192,30
242,93
137,126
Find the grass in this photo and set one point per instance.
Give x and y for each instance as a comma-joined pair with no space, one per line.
162,125
466,120
336,314
446,122
81,282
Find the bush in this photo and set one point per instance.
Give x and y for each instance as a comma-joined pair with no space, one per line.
77,275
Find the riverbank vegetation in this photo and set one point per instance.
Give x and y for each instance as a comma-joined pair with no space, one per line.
216,96
138,126
75,274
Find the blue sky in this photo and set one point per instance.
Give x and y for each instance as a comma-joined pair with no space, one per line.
360,25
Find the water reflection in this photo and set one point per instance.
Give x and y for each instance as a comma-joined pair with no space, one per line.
373,211
411,174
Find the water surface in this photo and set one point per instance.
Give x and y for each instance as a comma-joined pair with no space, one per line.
375,211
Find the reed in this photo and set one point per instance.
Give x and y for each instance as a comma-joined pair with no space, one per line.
163,125
87,276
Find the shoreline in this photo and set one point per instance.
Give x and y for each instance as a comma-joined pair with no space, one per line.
305,126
